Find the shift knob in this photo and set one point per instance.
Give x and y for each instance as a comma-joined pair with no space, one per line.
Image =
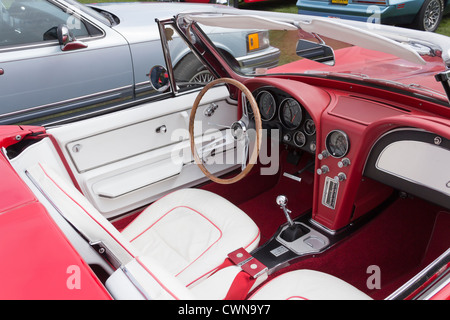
282,200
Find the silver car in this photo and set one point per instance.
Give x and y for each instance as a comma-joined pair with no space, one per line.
61,59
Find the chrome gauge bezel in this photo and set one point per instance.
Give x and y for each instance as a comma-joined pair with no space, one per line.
258,96
295,141
343,136
305,124
281,114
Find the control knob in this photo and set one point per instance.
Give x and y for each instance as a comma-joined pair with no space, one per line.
344,163
323,169
324,154
340,177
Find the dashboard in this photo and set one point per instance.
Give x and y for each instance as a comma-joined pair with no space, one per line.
340,125
281,111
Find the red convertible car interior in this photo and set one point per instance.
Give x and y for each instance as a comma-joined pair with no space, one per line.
326,177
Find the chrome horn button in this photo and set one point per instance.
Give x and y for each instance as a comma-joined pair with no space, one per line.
238,130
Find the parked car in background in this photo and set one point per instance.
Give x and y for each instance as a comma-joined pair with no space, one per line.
420,14
62,58
233,3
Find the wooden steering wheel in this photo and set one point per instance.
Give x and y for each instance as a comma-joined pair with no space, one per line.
239,130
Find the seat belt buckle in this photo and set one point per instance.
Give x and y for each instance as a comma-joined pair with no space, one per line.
247,263
239,257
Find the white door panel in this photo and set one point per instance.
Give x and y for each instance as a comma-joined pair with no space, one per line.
125,142
122,163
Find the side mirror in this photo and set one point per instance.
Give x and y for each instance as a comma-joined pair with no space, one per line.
315,51
67,40
159,78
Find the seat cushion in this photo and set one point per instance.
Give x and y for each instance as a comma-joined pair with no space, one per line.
308,285
191,232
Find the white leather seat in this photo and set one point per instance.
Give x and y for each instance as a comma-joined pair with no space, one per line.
308,285
156,283
191,231
196,230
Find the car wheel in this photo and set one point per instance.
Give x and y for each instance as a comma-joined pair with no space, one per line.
190,69
430,15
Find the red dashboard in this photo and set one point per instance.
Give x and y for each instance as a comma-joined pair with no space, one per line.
349,120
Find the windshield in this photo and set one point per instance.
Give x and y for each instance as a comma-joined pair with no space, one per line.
331,49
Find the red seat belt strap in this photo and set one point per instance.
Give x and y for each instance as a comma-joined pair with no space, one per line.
251,269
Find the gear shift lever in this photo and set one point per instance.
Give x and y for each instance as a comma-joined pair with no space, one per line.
294,230
282,202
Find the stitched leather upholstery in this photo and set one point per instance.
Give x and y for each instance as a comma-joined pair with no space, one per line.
308,285
191,231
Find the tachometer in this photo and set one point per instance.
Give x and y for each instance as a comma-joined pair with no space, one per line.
267,105
290,113
337,143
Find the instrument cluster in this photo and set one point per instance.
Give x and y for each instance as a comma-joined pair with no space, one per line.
281,111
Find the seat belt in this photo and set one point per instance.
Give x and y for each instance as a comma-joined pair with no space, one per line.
251,270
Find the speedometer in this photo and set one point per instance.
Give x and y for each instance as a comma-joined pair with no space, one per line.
267,105
290,113
337,143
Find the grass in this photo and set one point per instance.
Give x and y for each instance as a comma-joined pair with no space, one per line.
444,27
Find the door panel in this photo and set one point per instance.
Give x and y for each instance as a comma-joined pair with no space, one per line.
122,162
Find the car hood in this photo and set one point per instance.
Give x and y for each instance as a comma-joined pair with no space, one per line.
137,19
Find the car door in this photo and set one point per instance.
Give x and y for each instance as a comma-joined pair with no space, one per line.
124,160
39,78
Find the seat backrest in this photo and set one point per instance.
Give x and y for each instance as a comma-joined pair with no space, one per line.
77,210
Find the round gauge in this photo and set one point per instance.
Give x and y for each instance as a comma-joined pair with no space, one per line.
337,143
291,113
299,139
310,127
267,105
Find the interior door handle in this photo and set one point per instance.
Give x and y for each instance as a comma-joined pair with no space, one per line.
161,129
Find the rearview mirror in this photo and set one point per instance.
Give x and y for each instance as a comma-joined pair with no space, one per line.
315,51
